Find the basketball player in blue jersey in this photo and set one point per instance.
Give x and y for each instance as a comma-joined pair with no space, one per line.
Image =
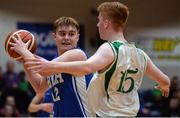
42,104
68,91
120,67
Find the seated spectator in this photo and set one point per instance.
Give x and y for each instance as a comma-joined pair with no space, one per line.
11,78
9,109
1,81
174,86
173,108
24,94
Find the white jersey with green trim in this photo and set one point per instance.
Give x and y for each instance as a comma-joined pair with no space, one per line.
114,91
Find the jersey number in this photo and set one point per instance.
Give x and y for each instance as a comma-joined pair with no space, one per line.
55,94
124,78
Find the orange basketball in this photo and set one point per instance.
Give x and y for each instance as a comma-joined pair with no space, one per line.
25,36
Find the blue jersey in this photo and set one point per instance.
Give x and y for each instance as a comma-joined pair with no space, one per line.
47,99
68,93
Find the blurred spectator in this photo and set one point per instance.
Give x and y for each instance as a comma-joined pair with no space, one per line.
11,78
1,86
9,109
175,83
157,103
151,103
177,94
23,85
24,93
173,108
1,81
145,109
154,105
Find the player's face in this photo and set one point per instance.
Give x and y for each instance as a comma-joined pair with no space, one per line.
101,26
66,38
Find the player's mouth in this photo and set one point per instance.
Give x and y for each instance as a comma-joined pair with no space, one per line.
66,44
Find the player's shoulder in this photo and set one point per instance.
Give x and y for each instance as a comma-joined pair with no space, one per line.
77,52
141,51
72,55
105,47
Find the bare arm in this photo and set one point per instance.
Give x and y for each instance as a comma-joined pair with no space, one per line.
37,81
36,104
99,61
158,76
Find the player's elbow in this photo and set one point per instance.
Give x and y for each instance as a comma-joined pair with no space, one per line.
30,108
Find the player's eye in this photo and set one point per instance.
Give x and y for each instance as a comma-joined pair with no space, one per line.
72,34
62,34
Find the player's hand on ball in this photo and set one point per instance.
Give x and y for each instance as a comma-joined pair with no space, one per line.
18,45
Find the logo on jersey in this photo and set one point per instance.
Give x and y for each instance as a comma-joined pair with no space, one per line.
52,81
55,79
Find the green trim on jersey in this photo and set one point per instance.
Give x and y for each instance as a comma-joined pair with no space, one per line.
108,74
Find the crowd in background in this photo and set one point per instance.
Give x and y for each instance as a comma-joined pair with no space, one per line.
153,104
16,94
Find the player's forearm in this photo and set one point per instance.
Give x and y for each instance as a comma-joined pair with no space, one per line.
33,78
34,108
156,74
162,80
27,54
77,68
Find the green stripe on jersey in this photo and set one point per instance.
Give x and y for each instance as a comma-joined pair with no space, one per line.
115,46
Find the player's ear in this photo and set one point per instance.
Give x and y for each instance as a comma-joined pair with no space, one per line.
54,35
106,23
77,37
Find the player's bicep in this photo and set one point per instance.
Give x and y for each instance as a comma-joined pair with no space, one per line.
154,72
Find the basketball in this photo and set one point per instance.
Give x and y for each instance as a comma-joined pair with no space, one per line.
25,37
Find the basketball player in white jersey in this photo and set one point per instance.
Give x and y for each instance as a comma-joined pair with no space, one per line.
120,67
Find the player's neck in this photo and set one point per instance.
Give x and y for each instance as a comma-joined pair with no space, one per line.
60,51
117,36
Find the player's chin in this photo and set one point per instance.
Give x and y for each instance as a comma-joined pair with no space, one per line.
67,47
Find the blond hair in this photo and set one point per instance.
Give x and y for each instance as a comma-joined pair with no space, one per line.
116,12
65,21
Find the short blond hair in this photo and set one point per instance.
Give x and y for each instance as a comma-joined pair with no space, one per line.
65,21
116,12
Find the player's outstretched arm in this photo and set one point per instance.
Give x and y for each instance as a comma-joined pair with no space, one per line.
158,76
99,61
